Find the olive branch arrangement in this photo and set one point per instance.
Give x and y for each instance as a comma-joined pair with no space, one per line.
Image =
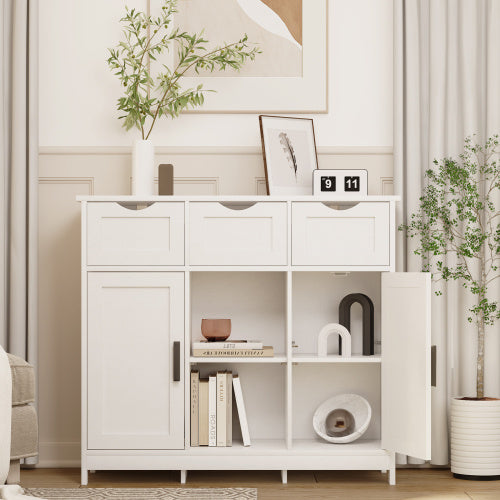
457,215
150,96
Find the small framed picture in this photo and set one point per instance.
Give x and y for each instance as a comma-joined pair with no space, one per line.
289,150
338,183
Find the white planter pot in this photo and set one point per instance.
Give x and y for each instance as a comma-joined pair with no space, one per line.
143,168
475,438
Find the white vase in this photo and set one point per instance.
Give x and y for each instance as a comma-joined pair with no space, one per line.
143,168
475,438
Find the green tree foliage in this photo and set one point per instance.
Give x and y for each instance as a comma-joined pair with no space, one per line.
149,96
457,215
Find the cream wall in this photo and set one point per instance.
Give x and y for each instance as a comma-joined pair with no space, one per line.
83,150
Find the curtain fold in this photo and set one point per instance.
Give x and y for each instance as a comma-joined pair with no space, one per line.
19,177
446,87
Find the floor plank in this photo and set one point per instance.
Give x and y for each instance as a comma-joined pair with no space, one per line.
346,485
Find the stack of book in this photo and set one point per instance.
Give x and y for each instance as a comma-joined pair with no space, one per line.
212,409
234,349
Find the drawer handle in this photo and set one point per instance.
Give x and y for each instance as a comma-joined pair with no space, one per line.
236,205
339,205
136,205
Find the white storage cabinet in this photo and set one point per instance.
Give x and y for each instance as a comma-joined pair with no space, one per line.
153,267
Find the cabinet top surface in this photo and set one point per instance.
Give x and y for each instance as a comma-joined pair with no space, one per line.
236,198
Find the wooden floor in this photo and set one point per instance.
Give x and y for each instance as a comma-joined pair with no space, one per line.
411,483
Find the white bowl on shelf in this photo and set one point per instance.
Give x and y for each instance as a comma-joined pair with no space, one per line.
354,404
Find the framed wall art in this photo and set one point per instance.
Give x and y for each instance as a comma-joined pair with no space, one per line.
290,75
289,150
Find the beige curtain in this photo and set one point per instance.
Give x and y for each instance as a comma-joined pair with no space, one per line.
446,87
18,177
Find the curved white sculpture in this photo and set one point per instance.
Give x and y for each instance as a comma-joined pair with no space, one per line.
334,329
354,404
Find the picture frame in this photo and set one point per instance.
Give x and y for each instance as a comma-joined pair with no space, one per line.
289,152
267,91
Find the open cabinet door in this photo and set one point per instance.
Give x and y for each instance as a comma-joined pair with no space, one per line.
406,363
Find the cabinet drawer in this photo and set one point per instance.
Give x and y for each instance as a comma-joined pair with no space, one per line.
327,236
117,235
237,234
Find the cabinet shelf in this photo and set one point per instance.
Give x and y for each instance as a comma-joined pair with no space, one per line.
313,358
275,359
300,447
258,447
317,447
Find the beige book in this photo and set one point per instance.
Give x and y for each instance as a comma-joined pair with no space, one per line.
195,379
212,410
229,409
221,408
266,352
203,412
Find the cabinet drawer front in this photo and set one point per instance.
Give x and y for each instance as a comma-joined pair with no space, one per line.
238,235
121,236
355,236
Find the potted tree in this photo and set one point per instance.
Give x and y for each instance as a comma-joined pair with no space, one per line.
458,229
149,95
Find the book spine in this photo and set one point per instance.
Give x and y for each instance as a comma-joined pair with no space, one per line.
221,408
229,409
203,413
228,345
212,411
194,407
240,405
267,352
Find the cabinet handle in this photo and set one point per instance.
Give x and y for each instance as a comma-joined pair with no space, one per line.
177,361
433,365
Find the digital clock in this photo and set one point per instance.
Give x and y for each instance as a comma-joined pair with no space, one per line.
338,183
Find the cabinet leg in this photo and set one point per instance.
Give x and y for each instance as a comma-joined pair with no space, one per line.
392,476
284,476
184,474
392,469
85,477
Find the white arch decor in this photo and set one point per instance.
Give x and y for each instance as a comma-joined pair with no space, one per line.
331,329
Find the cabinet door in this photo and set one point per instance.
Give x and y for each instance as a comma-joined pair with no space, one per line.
134,319
406,363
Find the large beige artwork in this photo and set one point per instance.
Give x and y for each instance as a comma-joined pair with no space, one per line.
275,25
290,76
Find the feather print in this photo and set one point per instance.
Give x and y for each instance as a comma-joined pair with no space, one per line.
289,152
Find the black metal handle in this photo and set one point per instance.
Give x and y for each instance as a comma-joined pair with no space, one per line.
433,365
177,361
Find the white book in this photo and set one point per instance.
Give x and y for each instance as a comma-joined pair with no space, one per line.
212,410
251,344
221,408
240,405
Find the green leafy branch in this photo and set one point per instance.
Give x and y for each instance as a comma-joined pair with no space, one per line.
457,216
147,97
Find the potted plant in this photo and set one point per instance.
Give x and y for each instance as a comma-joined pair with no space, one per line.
458,228
149,95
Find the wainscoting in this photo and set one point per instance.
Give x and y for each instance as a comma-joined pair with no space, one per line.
68,172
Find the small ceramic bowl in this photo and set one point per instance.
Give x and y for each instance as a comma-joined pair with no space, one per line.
216,330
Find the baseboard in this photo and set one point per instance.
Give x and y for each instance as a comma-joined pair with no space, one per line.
55,455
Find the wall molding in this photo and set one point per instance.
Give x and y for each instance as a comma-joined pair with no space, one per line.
205,150
60,454
86,181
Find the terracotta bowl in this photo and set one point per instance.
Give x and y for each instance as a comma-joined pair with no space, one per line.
216,330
